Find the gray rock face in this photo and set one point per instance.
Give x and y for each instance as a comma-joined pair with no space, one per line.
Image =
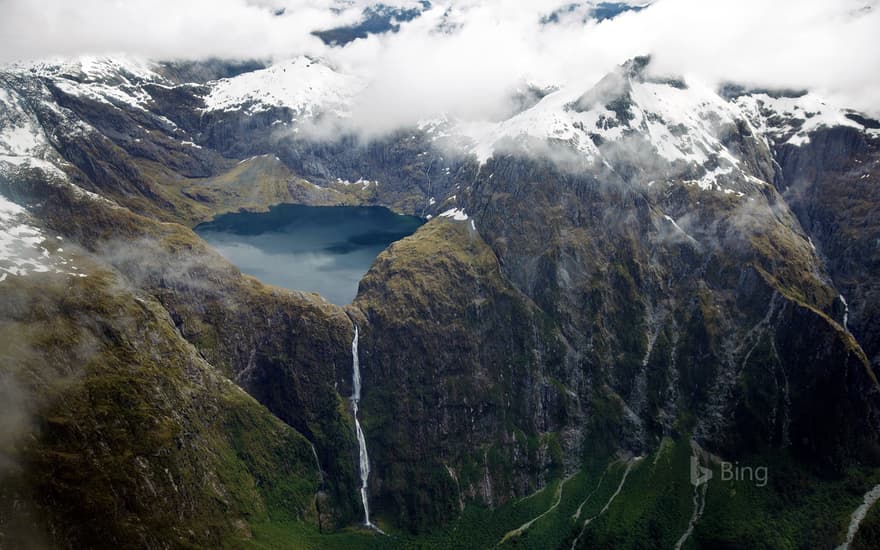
831,186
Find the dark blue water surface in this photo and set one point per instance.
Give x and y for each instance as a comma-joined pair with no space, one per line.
324,249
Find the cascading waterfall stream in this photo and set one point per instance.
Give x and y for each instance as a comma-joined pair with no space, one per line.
845,312
363,458
868,501
629,466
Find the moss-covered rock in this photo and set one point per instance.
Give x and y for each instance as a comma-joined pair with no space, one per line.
125,435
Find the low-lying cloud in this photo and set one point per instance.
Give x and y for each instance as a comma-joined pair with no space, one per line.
467,58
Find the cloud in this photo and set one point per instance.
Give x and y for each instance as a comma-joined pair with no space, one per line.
822,45
164,29
497,47
467,58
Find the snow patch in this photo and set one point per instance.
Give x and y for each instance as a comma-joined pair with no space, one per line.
23,247
680,124
456,214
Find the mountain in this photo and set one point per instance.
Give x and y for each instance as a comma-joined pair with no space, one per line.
615,279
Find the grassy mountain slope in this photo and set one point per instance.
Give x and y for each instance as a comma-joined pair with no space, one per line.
125,435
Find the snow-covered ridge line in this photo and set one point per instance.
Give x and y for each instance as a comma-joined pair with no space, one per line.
680,123
684,124
23,142
24,145
88,68
791,120
677,125
116,80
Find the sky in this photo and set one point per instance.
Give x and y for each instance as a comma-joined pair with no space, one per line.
465,57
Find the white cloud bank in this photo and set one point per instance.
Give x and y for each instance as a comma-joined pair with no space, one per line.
494,47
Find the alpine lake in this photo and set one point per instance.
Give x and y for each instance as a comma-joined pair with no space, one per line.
323,249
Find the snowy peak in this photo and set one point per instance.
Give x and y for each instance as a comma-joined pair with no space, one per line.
303,85
668,128
614,87
678,123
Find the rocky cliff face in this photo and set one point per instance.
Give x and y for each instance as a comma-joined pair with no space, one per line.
605,271
709,287
830,184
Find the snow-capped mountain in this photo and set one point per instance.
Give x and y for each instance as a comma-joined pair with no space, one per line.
683,125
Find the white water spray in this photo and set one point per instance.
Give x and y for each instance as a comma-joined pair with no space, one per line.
364,460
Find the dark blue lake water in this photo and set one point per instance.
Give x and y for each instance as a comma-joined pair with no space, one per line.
324,249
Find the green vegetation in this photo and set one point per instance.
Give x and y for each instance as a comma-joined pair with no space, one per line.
797,509
471,390
254,184
654,504
477,527
653,509
130,437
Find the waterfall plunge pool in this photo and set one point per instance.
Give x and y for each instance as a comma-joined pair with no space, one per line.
323,249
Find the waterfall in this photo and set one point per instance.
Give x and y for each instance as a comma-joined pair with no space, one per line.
318,465
364,460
